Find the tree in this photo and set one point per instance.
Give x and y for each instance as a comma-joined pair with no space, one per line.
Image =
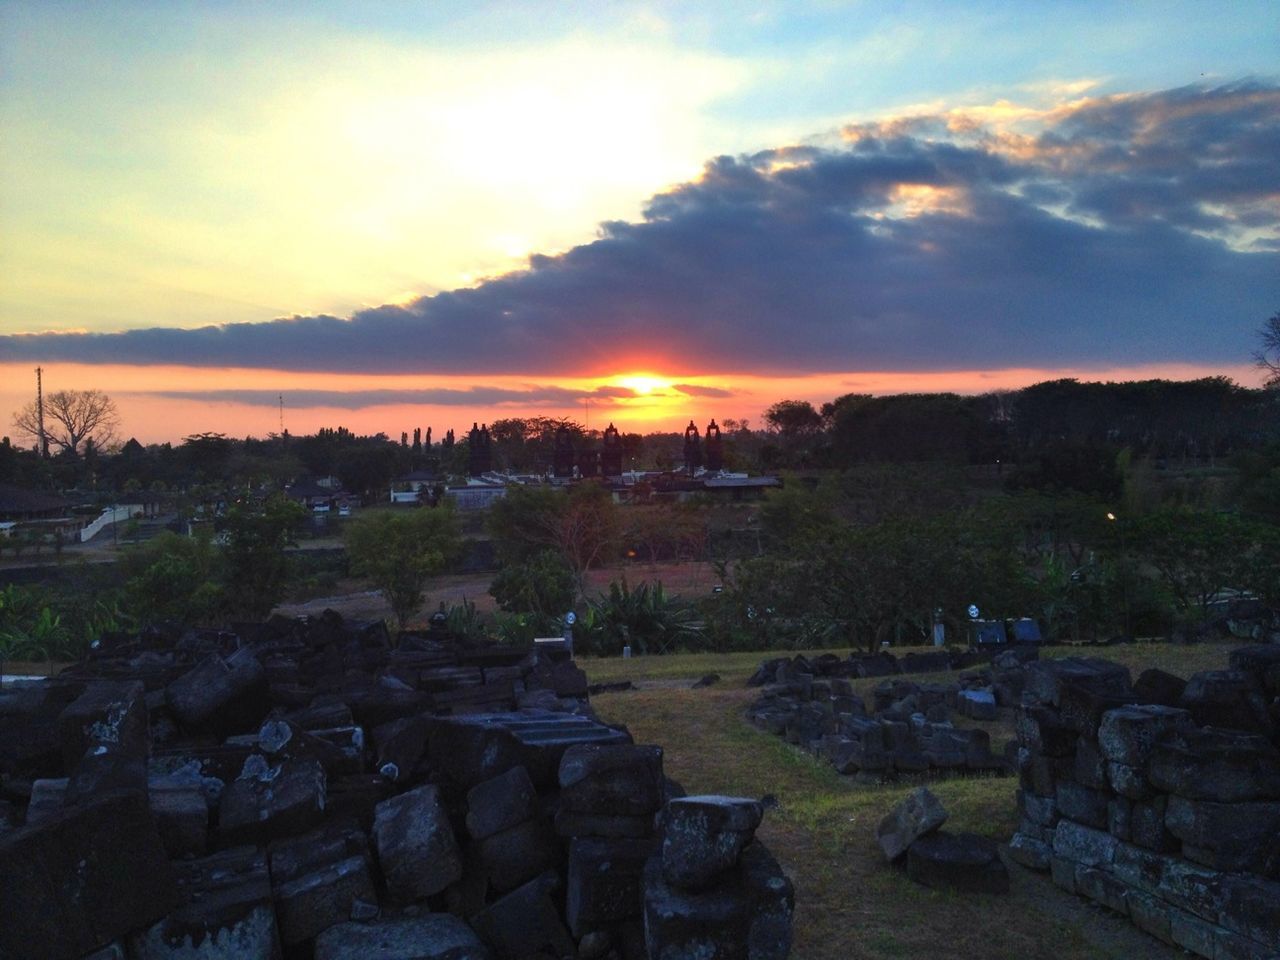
543,587
1268,356
70,418
398,551
581,525
175,578
257,568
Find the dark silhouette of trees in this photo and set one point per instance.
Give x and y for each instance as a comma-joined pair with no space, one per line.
71,417
1268,355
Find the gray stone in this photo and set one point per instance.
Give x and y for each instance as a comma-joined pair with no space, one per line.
1101,887
614,779
916,815
977,704
1032,853
1251,907
1227,698
704,835
1129,781
271,801
322,898
431,936
1127,735
605,882
1227,836
513,856
964,862
1090,767
182,817
1146,825
1093,848
1081,804
220,693
1228,766
525,921
500,803
1191,933
1120,818
107,713
416,847
1150,915
1037,809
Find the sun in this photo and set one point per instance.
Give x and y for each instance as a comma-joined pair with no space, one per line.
643,384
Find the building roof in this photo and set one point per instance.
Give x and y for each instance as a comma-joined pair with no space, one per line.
25,501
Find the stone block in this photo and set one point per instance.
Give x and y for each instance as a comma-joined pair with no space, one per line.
1063,873
1084,845
266,801
1227,766
605,882
399,746
182,817
1228,836
1120,818
218,693
1191,888
1130,782
963,862
1146,825
63,880
1250,906
1139,869
1046,679
501,803
1081,804
1089,769
1035,773
430,936
226,913
916,815
513,856
1127,735
977,704
1150,915
107,713
1227,698
1032,853
1042,732
704,835
1037,809
319,879
416,846
568,824
1158,687
1101,887
525,921
1192,933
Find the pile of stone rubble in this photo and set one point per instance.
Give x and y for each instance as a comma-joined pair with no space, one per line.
908,727
302,788
1160,798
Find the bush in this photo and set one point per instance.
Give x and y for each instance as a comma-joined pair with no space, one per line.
645,619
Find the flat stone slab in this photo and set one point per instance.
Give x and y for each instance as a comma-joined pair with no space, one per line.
416,847
433,936
964,862
704,836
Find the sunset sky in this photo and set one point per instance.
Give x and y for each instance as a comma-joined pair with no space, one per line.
423,214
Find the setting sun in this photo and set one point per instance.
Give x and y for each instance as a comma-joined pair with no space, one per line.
643,383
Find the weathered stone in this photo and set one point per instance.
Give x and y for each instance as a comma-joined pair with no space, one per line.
977,704
224,694
1082,804
916,815
1227,698
1037,809
226,913
1130,782
1227,836
1063,873
1251,907
1101,887
64,880
1191,888
399,745
964,862
416,847
1093,848
182,817
1046,679
605,882
568,824
1139,869
1127,735
1146,825
431,936
704,835
1032,853
1212,764
748,914
1041,731
512,856
500,803
1035,773
271,801
322,898
339,750
1191,933
1090,769
1120,818
1150,915
107,713
525,921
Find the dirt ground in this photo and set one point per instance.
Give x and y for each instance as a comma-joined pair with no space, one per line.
353,598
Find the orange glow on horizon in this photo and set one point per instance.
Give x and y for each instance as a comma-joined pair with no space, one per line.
152,411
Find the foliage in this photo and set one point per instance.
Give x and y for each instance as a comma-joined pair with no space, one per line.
256,566
465,623
171,577
542,587
645,618
1267,356
399,550
30,629
581,525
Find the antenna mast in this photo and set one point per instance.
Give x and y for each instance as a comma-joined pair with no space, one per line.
281,398
44,439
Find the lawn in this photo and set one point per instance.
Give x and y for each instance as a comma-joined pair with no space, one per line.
848,902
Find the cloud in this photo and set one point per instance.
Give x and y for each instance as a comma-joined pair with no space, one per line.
444,397
697,390
1118,229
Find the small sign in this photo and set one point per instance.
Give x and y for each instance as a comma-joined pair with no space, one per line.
571,618
973,611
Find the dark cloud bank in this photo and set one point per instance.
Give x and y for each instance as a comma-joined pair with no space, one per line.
1126,229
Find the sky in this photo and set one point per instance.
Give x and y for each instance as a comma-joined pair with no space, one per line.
235,216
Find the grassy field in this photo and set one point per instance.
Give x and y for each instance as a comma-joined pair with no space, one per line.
848,902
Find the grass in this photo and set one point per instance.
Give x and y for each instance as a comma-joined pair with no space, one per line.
849,904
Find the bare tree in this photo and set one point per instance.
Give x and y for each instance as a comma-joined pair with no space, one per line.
1268,358
70,418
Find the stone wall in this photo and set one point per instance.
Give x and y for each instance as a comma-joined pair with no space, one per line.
1159,799
302,788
